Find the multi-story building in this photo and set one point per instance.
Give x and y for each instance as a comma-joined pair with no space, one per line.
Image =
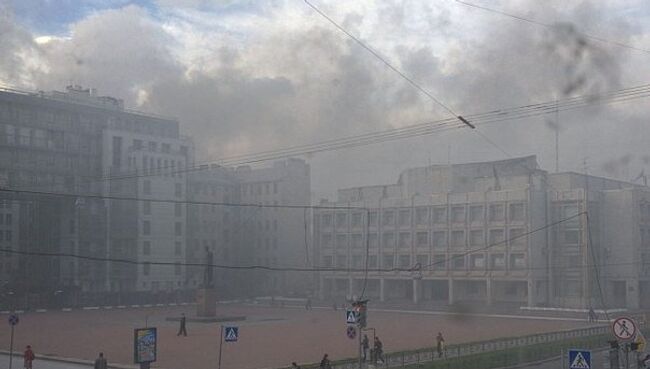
482,232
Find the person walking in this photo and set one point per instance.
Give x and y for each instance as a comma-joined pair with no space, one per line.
182,330
295,366
29,356
379,350
440,344
308,304
592,315
325,363
365,345
100,362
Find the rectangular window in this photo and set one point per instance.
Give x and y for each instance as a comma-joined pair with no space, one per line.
137,144
8,235
387,261
497,262
570,212
146,228
422,216
341,261
439,262
178,248
374,217
153,146
275,187
496,237
517,261
497,213
356,261
8,219
476,213
146,268
357,240
326,220
388,218
178,189
517,237
327,261
372,241
117,151
372,261
422,239
572,237
178,209
404,261
476,238
146,207
146,248
404,239
177,268
458,261
146,187
458,214
458,238
341,220
178,229
439,239
326,240
423,261
405,218
356,220
477,261
341,241
165,148
439,215
388,239
516,213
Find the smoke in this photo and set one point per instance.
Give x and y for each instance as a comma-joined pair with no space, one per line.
280,75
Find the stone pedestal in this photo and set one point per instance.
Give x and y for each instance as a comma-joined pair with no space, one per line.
206,302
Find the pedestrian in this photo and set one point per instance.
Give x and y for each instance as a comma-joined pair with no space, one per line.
365,345
29,357
100,362
440,344
182,330
379,350
295,366
645,362
325,363
308,304
592,315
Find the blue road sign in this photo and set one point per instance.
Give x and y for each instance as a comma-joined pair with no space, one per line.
351,317
13,319
579,359
231,334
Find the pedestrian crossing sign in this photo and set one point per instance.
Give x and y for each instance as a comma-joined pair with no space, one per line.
231,334
579,359
351,316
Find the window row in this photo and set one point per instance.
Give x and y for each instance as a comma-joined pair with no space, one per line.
262,188
146,228
6,219
437,239
514,212
422,262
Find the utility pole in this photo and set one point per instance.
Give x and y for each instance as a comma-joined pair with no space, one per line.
557,138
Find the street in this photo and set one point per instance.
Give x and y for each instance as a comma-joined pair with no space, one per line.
38,364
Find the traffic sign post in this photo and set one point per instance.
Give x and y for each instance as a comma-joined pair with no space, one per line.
13,321
624,328
579,359
231,334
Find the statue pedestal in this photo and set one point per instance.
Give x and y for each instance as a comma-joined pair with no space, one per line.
206,302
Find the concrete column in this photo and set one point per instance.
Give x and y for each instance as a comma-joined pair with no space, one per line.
451,291
488,291
416,291
381,289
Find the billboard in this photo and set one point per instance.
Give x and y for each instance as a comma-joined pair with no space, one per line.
144,345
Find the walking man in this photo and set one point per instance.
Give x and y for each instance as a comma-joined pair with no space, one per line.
325,363
308,304
100,362
379,350
440,344
29,356
182,330
365,345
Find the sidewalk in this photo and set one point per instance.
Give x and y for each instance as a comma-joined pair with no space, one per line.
53,362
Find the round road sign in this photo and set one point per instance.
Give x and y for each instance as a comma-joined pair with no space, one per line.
351,332
13,319
624,328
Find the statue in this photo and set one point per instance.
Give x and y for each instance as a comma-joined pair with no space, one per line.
207,273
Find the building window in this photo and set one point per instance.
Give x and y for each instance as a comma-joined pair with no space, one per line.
356,261
496,237
439,239
387,262
326,240
178,248
165,148
405,218
137,144
327,261
497,262
439,215
146,228
476,238
178,229
372,261
153,146
422,216
341,241
372,241
178,189
146,187
356,240
146,207
326,220
570,211
388,218
439,262
117,151
341,220
146,248
146,268
458,261
572,237
388,239
422,239
404,239
497,213
458,238
476,213
374,217
477,261
178,209
458,214
8,235
423,261
356,220
517,261
517,237
177,268
341,261
404,261
516,212
8,219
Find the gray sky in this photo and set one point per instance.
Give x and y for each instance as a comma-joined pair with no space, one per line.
247,76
